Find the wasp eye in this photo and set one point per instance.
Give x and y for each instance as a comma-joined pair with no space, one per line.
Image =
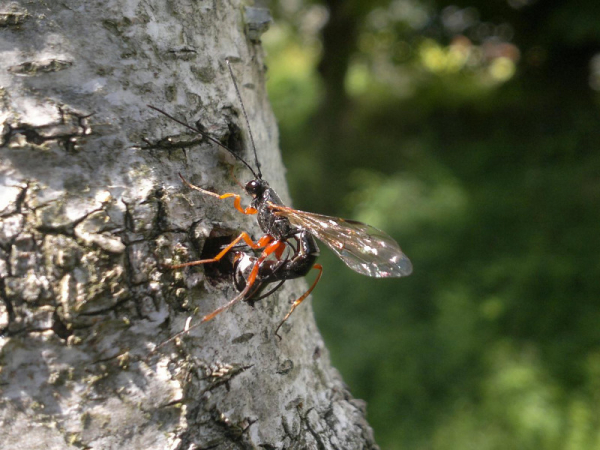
253,188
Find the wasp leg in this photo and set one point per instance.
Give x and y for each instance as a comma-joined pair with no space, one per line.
270,248
301,299
276,288
237,202
279,252
262,242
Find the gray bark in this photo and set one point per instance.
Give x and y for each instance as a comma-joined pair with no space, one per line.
91,206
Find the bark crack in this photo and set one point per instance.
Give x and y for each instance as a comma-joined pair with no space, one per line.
13,18
317,437
41,66
67,131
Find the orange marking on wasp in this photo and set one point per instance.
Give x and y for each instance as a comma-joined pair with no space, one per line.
237,202
275,247
262,242
270,248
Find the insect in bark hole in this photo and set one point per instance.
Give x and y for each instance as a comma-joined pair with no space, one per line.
288,248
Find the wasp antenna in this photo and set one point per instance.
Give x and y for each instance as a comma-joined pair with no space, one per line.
239,96
207,136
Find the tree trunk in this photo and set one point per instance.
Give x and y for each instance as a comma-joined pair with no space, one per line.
91,207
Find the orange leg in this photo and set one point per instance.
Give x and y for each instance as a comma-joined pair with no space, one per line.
271,248
262,242
275,247
279,252
237,202
301,299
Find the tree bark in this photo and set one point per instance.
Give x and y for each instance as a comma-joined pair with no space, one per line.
91,207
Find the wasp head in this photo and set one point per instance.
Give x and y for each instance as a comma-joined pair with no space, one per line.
256,188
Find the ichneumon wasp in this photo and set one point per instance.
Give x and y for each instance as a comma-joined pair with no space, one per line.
288,248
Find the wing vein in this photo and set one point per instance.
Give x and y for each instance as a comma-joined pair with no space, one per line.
363,248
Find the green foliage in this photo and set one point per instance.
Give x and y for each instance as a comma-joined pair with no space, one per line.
480,159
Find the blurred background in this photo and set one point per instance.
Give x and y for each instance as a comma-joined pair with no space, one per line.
469,132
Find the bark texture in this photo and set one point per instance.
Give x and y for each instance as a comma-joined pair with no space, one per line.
91,206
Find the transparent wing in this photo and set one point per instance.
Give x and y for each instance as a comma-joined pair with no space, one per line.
363,248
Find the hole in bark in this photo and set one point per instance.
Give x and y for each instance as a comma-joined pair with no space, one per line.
317,352
235,142
33,137
59,327
221,271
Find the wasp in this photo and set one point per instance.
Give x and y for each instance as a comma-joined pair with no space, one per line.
288,248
